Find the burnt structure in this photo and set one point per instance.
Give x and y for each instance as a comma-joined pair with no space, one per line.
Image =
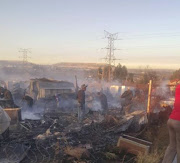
42,88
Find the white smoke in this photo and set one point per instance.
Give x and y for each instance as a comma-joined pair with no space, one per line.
96,106
162,90
30,115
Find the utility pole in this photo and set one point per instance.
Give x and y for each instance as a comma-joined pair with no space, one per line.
110,58
25,56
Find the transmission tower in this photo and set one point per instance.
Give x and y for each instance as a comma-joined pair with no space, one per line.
25,56
110,58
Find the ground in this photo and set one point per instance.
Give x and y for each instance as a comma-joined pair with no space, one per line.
60,138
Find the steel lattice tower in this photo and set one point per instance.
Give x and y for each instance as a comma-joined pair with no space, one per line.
25,56
110,58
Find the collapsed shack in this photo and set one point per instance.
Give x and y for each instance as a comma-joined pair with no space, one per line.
52,94
60,137
42,88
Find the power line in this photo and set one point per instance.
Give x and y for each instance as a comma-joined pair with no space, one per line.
151,47
157,33
110,58
152,35
25,56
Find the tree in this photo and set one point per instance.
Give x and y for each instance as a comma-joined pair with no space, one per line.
175,75
148,75
124,73
120,72
130,77
117,73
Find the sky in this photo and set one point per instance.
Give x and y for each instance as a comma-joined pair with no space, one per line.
73,31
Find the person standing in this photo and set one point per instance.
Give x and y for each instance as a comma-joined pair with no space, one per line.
127,102
81,101
103,101
7,97
29,101
174,131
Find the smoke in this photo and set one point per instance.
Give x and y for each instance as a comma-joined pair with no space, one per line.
139,105
30,115
112,90
115,104
34,113
67,105
16,72
96,106
162,90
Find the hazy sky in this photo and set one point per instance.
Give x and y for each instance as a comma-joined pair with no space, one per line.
73,30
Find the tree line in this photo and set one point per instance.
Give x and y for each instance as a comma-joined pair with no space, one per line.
118,73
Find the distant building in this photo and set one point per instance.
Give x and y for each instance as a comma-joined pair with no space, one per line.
42,88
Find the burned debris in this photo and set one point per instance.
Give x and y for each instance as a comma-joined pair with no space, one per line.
52,128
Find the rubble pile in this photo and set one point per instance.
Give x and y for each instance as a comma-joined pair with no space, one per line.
51,130
59,136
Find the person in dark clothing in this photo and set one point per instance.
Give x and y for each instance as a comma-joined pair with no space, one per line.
127,104
28,100
103,101
2,92
7,101
128,95
8,95
81,101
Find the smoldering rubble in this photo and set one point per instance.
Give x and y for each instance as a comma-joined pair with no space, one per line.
50,131
61,137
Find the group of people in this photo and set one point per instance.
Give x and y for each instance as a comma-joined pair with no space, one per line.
81,101
173,123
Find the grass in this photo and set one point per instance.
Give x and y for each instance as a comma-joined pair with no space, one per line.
154,157
158,135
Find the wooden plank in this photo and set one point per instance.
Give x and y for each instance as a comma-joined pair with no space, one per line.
132,146
141,141
149,97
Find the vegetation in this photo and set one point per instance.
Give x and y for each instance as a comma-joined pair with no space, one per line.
148,75
159,137
119,73
130,77
175,75
151,158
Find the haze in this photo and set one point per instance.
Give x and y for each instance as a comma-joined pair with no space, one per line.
73,31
